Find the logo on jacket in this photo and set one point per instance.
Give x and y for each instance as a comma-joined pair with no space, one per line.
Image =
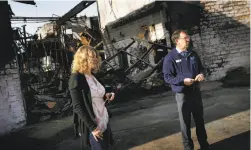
178,60
193,60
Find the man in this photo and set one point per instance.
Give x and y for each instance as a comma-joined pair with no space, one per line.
183,70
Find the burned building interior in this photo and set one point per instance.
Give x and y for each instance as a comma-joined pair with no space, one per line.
44,59
132,49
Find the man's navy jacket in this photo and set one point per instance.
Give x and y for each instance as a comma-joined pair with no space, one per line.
177,67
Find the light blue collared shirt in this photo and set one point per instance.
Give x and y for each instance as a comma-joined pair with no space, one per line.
179,51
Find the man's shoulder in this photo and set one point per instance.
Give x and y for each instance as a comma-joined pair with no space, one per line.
193,51
168,57
171,54
196,54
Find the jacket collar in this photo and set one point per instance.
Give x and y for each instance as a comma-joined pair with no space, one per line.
176,53
179,51
83,82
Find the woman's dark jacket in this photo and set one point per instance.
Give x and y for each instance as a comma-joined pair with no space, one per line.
83,115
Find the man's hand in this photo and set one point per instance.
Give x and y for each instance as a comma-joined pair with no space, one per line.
110,96
97,134
188,81
199,77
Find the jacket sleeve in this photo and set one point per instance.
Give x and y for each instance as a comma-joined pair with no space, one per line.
79,105
201,67
170,75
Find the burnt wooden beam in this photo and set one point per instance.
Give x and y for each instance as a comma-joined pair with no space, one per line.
30,2
75,10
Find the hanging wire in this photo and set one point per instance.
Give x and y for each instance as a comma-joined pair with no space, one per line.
36,10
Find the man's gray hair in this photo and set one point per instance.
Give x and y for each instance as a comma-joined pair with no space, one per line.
176,35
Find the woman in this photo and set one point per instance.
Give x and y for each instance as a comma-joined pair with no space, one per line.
91,117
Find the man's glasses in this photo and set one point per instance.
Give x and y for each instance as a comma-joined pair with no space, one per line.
186,38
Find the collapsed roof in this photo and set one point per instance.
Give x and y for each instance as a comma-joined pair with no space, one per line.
77,25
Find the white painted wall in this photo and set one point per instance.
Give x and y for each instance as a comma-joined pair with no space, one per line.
12,110
110,10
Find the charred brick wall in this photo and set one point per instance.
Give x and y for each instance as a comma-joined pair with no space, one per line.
223,36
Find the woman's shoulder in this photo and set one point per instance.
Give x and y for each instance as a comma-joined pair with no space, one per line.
74,75
75,80
78,80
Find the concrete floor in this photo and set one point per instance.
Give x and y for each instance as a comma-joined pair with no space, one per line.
151,122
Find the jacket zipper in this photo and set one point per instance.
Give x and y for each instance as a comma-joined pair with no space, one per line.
189,54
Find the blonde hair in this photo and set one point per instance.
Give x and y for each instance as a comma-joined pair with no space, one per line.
86,60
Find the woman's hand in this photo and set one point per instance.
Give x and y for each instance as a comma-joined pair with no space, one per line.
97,134
110,96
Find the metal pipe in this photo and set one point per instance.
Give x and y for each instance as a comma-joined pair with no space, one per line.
143,56
67,62
25,41
98,44
26,48
20,18
108,64
136,39
138,58
111,57
56,55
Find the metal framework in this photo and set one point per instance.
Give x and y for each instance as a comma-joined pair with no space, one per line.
20,18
